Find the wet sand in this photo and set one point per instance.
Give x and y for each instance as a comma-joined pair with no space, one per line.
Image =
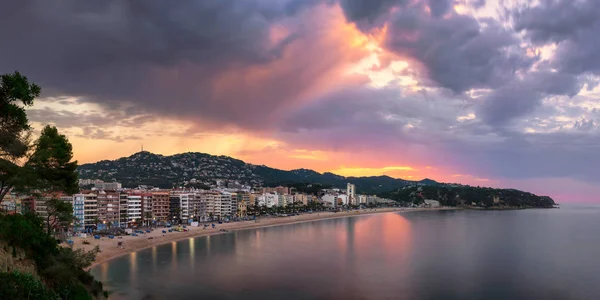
109,249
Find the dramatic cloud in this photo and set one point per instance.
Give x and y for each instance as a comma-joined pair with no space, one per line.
573,25
219,60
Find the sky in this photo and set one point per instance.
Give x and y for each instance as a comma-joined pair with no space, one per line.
494,93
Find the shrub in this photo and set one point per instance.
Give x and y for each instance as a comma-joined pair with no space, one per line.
17,286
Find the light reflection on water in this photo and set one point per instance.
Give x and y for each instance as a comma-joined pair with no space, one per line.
536,254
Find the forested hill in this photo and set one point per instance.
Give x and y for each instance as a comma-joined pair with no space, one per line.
460,195
145,168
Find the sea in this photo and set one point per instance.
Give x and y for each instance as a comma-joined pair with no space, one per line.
462,254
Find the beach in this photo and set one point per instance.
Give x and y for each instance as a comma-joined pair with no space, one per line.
109,249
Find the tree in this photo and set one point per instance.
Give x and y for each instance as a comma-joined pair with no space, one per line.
14,125
50,170
16,93
60,215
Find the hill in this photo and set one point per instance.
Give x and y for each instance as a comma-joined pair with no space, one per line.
464,195
145,168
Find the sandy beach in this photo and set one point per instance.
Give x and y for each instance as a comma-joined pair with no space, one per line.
109,249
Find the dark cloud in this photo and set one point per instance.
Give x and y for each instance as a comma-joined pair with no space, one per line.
522,96
457,52
574,25
440,7
366,12
555,21
215,60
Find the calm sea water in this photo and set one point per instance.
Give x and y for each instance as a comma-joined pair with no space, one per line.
528,254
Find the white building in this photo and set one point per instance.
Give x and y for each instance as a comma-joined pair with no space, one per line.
134,208
362,199
268,199
334,199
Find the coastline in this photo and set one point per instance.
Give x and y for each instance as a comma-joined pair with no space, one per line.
110,251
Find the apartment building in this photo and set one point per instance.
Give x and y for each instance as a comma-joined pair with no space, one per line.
268,199
160,206
219,204
91,210
134,209
242,209
199,207
147,203
123,209
289,199
85,210
351,193
301,198
78,212
108,207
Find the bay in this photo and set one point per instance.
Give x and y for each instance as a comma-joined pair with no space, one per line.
524,254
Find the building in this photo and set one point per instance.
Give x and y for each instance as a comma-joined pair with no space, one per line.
108,207
268,199
147,203
351,193
252,199
123,209
78,212
199,207
242,209
174,208
85,211
301,198
91,210
182,205
111,186
335,199
134,209
279,190
362,199
281,200
289,199
160,206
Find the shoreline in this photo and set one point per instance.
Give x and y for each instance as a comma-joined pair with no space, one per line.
109,250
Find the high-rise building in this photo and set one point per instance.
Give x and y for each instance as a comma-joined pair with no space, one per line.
160,206
351,192
123,210
108,207
147,203
134,209
78,212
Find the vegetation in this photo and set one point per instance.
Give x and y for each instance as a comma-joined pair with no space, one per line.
470,196
60,215
42,169
17,285
145,168
16,93
61,268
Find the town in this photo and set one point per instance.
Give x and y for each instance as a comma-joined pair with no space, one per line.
108,205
